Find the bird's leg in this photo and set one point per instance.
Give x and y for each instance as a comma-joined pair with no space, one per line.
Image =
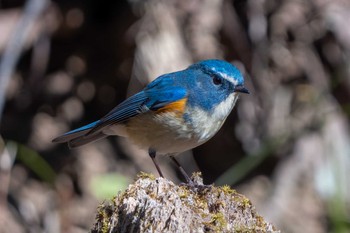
188,179
152,153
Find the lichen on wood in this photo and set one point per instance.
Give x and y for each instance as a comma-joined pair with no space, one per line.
158,205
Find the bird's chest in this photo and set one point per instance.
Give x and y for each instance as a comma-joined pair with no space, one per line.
169,132
204,124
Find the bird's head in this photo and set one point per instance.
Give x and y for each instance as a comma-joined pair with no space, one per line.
215,86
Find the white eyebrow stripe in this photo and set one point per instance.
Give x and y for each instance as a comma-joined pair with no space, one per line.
228,78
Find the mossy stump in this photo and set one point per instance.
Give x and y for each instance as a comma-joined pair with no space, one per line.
158,205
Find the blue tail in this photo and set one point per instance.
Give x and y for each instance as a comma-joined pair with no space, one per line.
80,136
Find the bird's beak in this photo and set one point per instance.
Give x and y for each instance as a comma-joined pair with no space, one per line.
242,89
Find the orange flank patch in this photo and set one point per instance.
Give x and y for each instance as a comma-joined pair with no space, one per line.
177,107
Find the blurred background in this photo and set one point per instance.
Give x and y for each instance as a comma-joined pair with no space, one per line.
64,63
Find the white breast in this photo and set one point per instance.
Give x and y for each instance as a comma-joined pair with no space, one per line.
205,124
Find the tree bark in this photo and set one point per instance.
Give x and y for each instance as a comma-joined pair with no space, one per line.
158,205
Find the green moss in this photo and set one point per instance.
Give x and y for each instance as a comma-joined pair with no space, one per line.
102,217
261,222
220,220
246,202
144,175
183,192
201,201
217,222
227,189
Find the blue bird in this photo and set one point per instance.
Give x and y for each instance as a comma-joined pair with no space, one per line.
174,113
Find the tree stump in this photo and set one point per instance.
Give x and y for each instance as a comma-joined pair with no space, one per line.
158,205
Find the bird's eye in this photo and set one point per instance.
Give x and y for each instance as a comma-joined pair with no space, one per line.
217,80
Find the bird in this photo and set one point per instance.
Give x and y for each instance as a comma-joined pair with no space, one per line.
174,113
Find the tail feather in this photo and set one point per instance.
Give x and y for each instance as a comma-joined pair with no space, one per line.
68,137
85,139
79,134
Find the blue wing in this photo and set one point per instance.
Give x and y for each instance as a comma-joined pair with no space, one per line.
156,95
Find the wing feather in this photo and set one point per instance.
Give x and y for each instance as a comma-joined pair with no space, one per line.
155,96
159,94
